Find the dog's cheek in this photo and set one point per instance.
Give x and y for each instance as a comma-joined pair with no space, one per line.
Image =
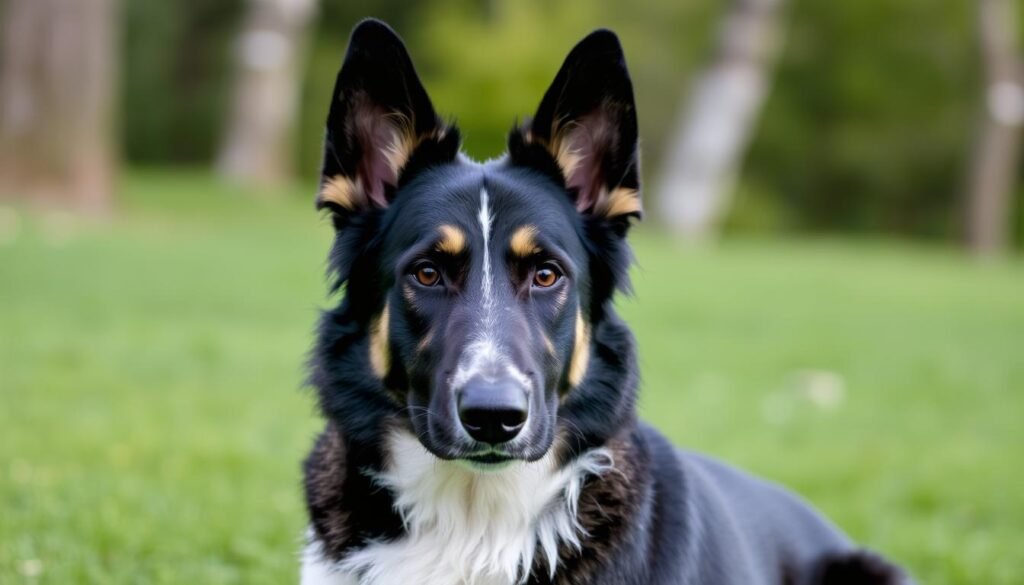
579,362
551,427
411,342
380,343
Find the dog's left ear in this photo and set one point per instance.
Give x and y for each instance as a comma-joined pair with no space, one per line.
585,131
381,125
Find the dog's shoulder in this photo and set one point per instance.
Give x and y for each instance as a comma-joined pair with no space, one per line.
763,507
723,525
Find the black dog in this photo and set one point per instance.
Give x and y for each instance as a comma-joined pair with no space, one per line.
479,388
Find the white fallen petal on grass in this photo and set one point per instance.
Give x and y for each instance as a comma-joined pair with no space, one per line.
30,567
822,388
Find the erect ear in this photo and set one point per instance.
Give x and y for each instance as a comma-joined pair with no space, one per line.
381,124
586,125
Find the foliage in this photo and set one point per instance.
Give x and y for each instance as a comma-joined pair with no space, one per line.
487,64
152,421
868,128
177,63
493,66
869,124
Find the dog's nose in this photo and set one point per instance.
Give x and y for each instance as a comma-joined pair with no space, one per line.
493,412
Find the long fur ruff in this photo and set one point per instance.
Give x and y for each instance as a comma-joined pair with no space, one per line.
469,526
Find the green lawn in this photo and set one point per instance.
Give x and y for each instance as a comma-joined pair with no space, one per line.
152,415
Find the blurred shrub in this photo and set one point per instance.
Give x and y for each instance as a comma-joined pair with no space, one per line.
176,78
870,121
757,209
868,127
487,63
491,66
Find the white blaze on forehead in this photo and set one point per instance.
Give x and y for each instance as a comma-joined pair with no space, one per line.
483,356
486,218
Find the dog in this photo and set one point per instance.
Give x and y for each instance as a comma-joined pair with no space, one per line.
479,388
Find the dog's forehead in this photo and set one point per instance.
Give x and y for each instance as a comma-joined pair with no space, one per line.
463,197
443,196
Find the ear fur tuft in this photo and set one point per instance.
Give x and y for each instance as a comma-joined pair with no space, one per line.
381,125
585,131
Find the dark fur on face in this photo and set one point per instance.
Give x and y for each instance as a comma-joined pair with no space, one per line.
402,202
477,315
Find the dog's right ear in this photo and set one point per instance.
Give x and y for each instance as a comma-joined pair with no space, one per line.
381,125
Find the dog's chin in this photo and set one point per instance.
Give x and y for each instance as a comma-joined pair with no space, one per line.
482,457
481,466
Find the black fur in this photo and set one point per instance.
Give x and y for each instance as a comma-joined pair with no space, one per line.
664,516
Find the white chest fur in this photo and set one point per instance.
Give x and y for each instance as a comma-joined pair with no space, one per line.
463,526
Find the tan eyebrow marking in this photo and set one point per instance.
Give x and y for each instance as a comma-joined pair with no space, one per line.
523,243
453,240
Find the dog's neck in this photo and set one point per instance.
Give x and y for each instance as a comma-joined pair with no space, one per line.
463,526
469,526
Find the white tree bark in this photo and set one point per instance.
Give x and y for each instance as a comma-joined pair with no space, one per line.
58,70
257,142
716,122
994,170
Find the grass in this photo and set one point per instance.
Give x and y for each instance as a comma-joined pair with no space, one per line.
152,417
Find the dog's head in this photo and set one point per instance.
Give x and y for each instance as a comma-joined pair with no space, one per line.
475,293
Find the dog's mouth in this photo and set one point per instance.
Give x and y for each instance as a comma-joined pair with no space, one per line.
491,458
489,461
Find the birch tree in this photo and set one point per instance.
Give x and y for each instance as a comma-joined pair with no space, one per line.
58,70
994,169
717,119
257,141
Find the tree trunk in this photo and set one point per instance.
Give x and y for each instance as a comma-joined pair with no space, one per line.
57,86
257,142
715,126
994,166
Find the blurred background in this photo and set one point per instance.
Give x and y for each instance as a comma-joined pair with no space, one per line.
830,289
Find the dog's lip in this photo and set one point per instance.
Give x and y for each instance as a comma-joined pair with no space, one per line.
487,462
489,458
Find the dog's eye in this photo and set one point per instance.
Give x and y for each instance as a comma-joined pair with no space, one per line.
427,274
546,276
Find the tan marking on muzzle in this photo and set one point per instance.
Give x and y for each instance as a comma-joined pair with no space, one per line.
380,355
580,359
